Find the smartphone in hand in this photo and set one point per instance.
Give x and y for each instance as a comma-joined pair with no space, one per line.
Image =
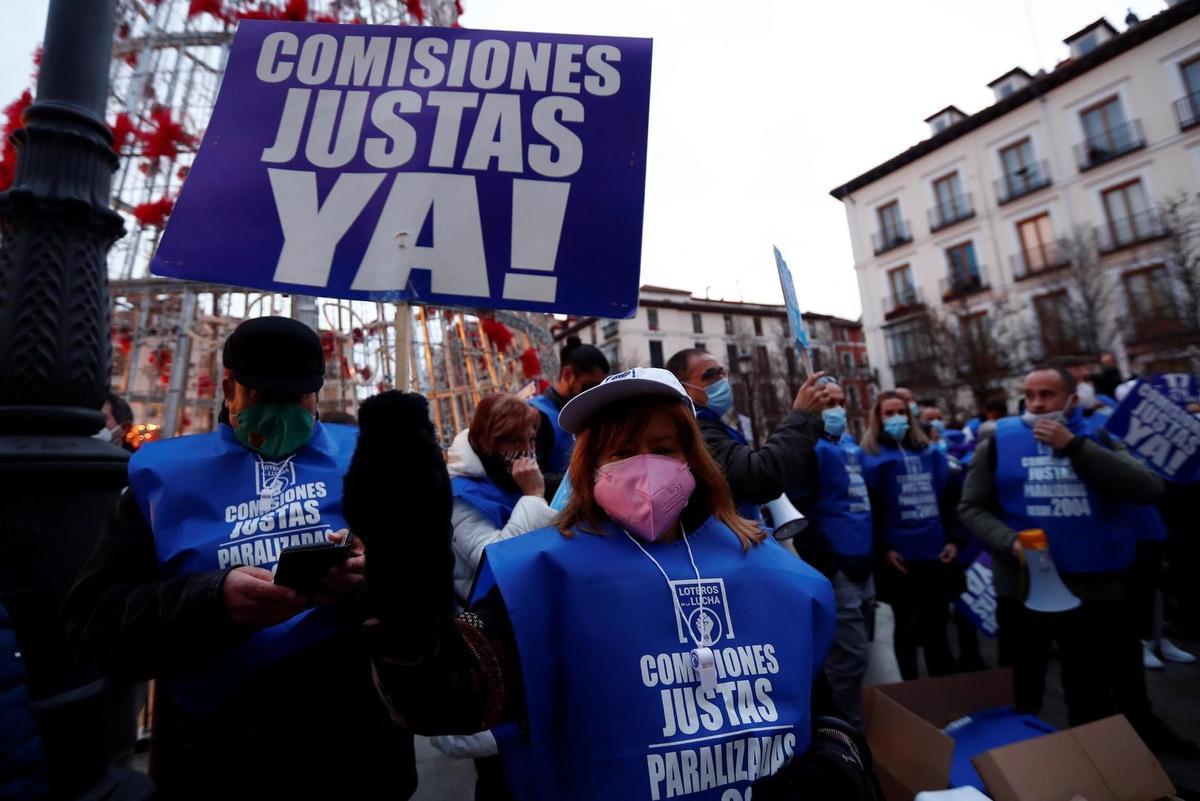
302,567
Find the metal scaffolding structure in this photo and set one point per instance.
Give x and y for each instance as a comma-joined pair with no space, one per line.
168,59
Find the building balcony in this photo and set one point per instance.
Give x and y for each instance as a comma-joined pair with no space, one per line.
1161,326
610,329
1187,111
1040,260
1145,226
1024,181
956,287
951,211
1112,144
915,373
907,302
1060,347
890,240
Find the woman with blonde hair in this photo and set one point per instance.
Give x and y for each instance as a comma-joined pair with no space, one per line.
907,479
650,644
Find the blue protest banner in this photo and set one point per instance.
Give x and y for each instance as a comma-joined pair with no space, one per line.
434,165
1154,423
795,318
978,601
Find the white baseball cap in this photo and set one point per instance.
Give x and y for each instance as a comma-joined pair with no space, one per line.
636,382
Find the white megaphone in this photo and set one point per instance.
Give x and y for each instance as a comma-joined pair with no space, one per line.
786,518
1047,593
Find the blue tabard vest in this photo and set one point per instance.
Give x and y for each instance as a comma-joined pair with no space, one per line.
200,496
482,493
843,510
1038,488
614,708
911,484
564,441
1146,521
748,510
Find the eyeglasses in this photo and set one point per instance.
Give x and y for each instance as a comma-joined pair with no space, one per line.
714,374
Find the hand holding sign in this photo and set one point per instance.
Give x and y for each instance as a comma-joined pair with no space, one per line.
439,165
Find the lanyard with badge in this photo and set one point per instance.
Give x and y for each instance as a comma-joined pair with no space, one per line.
269,492
703,660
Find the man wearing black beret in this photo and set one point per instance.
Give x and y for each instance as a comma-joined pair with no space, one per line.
261,691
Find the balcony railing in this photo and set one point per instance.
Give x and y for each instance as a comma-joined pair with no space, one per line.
1064,345
1022,182
1044,258
902,303
1113,143
1137,228
949,212
955,287
1158,325
890,240
1187,111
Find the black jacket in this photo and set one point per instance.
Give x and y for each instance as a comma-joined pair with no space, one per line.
316,713
760,475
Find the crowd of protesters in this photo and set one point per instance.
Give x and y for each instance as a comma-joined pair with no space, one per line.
555,597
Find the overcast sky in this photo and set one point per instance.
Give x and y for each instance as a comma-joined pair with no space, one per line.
760,108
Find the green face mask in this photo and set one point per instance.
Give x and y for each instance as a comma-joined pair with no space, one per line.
274,429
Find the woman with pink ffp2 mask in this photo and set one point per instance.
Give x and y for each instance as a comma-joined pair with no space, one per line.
651,643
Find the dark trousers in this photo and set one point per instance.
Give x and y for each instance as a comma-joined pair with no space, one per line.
921,604
1099,653
1143,583
490,784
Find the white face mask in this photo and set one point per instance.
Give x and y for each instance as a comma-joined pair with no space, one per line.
1029,418
1087,396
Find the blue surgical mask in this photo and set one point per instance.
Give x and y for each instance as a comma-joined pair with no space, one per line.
915,409
835,421
896,427
938,426
720,397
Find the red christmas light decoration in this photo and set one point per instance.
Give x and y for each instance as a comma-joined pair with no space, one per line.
458,9
531,365
497,332
205,385
165,137
328,344
364,373
211,7
357,335
416,10
122,129
131,58
12,122
154,213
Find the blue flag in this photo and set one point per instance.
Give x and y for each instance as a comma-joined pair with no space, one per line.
795,319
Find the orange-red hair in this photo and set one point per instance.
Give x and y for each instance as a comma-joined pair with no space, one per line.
499,416
623,420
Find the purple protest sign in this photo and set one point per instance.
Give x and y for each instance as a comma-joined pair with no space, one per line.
978,601
436,165
1154,423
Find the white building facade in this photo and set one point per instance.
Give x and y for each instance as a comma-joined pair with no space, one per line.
995,207
751,339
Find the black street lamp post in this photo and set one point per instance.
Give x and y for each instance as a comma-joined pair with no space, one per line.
57,483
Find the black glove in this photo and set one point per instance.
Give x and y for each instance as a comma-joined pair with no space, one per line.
396,498
836,766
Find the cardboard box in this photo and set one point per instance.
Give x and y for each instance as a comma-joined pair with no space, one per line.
1103,761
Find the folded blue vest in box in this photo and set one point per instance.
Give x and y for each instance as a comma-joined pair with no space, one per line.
983,731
